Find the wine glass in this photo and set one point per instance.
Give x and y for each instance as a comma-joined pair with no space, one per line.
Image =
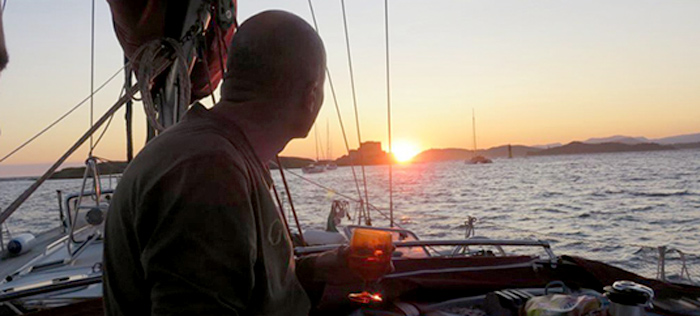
370,258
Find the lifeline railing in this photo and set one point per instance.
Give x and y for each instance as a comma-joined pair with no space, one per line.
684,273
433,243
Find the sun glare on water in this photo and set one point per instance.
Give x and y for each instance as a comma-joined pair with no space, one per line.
404,151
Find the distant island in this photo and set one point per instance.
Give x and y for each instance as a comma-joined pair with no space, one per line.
617,143
106,168
371,153
583,148
292,162
103,168
432,155
573,148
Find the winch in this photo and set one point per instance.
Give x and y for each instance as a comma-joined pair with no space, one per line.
628,298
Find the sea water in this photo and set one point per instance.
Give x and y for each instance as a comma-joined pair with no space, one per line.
617,207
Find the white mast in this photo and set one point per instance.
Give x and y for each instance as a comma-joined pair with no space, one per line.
316,141
328,141
474,131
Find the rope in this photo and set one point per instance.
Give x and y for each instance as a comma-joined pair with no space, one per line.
354,102
62,117
337,109
388,115
144,57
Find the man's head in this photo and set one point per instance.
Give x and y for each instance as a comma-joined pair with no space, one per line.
3,50
277,60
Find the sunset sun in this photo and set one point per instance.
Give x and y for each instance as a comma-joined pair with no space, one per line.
404,151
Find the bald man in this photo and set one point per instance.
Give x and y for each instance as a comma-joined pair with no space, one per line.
3,51
192,228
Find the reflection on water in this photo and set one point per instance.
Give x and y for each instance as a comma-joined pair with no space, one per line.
602,207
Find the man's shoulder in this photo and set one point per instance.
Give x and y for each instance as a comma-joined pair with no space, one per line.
185,148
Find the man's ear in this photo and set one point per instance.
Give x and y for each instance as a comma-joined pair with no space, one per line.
311,96
3,52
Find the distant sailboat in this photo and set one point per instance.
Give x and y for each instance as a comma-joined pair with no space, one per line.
315,167
476,159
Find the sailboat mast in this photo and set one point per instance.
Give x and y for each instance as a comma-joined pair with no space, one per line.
328,141
316,141
474,131
388,115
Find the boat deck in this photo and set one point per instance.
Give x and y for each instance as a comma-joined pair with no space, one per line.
11,263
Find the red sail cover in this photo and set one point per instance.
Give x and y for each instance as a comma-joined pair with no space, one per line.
139,21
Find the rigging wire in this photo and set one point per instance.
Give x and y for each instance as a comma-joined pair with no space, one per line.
354,102
316,140
104,131
92,73
378,210
62,117
388,116
337,109
289,197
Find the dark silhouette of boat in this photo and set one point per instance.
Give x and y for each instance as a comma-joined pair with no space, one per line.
478,159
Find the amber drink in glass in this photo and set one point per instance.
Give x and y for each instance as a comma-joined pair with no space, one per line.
370,258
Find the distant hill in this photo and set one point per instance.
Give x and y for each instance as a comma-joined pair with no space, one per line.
582,148
545,146
687,145
292,162
502,151
618,139
680,139
18,179
432,155
617,143
103,168
118,167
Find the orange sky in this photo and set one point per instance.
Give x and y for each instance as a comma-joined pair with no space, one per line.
534,72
